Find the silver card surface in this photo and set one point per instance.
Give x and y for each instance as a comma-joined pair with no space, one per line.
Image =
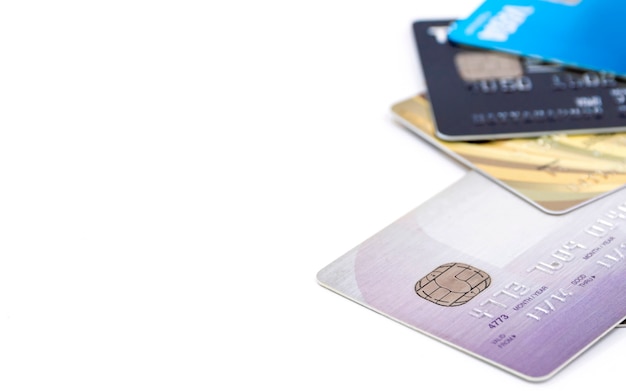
495,277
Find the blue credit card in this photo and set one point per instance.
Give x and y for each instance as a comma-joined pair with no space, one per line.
584,34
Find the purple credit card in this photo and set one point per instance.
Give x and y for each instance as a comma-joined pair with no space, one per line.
495,277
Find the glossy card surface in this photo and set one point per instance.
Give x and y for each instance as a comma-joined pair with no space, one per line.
556,173
586,34
479,95
495,277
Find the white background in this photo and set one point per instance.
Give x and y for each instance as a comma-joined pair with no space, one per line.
175,173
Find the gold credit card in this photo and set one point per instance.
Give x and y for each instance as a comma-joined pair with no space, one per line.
557,173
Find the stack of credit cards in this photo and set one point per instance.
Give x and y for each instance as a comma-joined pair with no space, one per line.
521,263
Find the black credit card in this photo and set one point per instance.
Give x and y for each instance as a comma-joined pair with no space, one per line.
482,95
